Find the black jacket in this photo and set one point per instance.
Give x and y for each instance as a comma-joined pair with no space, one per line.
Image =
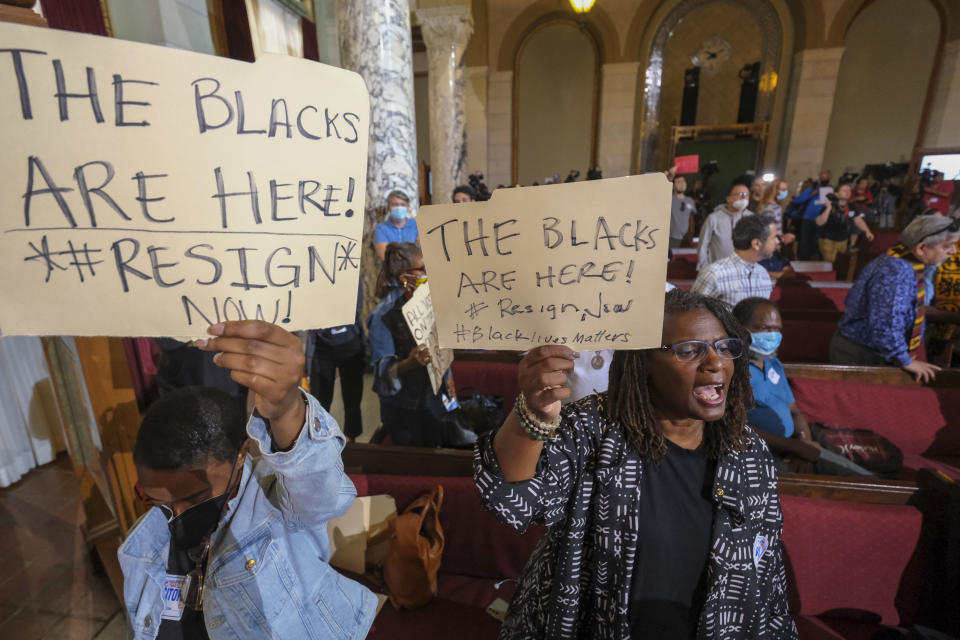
577,582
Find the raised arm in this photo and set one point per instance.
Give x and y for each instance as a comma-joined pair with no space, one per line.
543,382
300,443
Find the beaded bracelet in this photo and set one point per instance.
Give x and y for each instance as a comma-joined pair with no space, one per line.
535,428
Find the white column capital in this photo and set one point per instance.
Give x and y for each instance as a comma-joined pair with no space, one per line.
444,27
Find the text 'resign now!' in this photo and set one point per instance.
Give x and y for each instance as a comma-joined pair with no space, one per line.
581,264
151,191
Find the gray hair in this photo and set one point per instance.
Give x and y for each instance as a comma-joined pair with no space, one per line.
398,194
943,236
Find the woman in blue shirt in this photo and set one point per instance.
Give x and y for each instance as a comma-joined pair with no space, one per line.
398,226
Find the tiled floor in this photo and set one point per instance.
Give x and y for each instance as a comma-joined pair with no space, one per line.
48,585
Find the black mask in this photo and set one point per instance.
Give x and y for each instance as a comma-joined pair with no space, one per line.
824,183
188,529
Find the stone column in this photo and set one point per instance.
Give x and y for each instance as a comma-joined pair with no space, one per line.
815,73
499,129
375,42
618,104
445,32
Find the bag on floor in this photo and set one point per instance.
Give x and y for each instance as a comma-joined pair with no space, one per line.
416,545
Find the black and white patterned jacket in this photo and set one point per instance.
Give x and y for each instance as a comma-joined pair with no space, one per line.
577,582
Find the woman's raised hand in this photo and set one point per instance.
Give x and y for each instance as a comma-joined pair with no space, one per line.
543,379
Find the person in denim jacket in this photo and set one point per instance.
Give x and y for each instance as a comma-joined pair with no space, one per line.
236,545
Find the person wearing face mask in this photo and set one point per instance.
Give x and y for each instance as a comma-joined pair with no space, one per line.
681,208
772,204
739,275
775,414
888,305
235,542
398,226
411,413
716,235
810,203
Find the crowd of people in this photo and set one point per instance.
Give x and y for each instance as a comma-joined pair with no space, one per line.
662,453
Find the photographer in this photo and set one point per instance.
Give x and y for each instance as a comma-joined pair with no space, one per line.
836,222
810,203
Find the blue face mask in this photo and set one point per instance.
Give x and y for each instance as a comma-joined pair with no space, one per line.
398,213
765,343
783,195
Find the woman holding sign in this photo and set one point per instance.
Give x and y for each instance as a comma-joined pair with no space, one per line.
412,414
662,504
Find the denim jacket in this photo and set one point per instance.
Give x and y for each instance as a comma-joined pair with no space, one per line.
268,574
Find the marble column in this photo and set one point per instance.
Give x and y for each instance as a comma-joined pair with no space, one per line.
375,42
815,73
499,128
445,32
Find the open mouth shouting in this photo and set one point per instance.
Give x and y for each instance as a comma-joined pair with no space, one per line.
710,395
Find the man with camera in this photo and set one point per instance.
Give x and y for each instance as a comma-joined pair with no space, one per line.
811,203
835,223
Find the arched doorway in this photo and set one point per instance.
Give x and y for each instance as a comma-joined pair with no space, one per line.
882,84
555,102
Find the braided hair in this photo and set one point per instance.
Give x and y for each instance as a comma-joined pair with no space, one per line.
629,400
397,259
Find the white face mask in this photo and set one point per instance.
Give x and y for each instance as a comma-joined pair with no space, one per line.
740,205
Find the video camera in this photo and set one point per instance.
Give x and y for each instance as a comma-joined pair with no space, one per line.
479,188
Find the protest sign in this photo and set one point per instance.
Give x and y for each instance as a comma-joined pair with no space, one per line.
152,191
418,312
687,164
581,264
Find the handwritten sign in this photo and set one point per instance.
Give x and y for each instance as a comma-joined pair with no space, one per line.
152,191
420,317
581,264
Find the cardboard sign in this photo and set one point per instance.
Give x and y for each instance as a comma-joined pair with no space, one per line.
581,264
418,312
687,164
150,191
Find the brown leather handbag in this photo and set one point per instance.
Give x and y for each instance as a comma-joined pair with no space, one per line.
416,544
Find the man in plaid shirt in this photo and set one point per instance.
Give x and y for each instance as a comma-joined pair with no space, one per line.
739,275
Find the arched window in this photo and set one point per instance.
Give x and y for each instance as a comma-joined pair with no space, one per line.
555,100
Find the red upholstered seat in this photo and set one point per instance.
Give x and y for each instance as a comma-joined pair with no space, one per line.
924,422
845,555
499,378
806,340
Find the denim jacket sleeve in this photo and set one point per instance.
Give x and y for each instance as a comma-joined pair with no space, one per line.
383,351
543,498
311,485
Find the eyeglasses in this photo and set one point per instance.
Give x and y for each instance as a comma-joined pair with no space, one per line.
193,586
694,350
953,227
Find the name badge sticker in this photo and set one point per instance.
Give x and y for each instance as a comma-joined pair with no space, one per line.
760,545
773,376
174,588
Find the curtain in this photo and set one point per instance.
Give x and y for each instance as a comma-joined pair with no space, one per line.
85,16
279,29
30,430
